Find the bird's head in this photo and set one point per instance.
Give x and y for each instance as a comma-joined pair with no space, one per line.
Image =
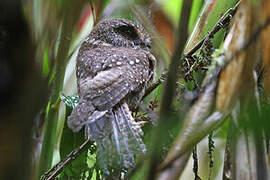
120,33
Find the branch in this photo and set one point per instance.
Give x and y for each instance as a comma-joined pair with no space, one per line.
154,85
58,168
245,45
223,22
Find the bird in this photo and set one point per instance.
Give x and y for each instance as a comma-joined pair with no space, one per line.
114,66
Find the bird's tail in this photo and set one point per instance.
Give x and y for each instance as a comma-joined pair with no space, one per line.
117,135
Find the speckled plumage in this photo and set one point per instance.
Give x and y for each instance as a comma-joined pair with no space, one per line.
114,66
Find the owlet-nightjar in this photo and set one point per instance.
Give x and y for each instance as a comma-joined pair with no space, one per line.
114,66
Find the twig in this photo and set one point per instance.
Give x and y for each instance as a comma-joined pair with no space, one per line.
154,85
58,168
93,11
245,45
222,23
211,147
96,8
195,164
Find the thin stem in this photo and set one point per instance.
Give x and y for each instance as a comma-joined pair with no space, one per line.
58,168
170,88
52,116
195,163
210,152
71,15
223,22
245,45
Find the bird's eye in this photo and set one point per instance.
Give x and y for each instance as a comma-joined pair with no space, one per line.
128,32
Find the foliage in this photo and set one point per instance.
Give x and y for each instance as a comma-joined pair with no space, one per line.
210,88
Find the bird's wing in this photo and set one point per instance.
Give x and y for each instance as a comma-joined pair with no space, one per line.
101,93
109,87
121,71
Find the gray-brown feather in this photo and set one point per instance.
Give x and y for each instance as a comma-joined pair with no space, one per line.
114,66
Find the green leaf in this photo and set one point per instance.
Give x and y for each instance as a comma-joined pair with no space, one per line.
196,8
210,15
70,101
45,65
81,166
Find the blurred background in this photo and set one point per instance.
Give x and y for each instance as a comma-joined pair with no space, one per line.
39,41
